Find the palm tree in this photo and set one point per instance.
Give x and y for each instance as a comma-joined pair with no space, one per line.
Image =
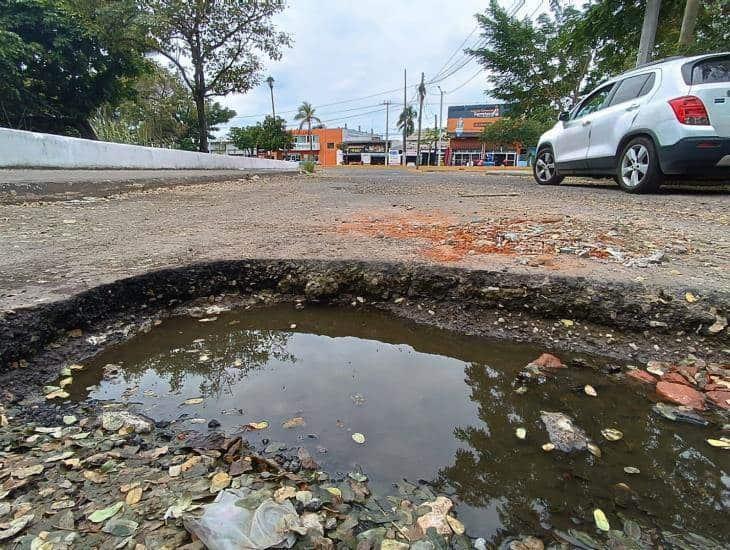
306,115
407,120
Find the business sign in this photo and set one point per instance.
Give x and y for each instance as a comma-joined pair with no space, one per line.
394,157
472,119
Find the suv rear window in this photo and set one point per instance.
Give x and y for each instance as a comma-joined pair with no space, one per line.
706,71
632,87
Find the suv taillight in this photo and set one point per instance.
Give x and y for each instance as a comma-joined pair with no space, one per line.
690,110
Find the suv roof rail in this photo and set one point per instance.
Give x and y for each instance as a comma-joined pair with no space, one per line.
657,61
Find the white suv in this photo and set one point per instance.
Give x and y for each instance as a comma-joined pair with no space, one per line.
668,118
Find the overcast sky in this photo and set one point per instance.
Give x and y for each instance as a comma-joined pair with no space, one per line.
346,49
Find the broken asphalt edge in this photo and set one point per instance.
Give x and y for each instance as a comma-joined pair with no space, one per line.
625,307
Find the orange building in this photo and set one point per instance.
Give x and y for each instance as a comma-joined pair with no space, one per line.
323,148
464,125
332,146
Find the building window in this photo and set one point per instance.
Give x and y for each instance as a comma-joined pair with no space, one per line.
331,145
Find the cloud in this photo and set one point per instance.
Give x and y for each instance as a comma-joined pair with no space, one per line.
345,49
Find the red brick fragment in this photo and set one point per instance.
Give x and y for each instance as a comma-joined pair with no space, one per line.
676,378
548,361
641,376
680,395
720,398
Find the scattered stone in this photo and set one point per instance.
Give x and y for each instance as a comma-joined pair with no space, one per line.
719,398
563,433
548,361
527,543
114,421
641,376
680,394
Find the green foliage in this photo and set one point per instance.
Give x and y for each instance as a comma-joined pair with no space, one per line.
217,46
407,119
308,166
269,135
162,114
306,115
509,130
533,65
61,59
540,66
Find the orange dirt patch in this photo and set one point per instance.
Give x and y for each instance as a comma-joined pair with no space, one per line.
446,240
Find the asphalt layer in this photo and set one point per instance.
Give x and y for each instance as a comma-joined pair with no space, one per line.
18,185
52,249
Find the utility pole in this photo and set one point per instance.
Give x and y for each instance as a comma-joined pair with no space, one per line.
387,113
687,34
648,31
421,97
270,80
405,121
441,123
435,141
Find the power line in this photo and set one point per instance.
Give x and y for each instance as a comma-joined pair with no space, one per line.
459,87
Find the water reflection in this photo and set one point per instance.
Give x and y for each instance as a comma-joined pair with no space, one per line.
679,485
433,405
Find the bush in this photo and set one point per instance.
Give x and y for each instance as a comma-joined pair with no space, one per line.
308,166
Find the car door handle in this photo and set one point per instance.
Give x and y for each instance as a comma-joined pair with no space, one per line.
586,122
633,107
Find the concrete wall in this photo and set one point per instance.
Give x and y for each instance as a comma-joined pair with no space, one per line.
20,149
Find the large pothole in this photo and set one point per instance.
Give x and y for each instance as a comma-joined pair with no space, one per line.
432,405
442,409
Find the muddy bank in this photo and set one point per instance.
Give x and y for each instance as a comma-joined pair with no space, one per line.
615,319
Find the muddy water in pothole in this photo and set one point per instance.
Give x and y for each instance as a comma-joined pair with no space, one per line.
433,405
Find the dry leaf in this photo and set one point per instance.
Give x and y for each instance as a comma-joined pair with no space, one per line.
133,496
601,520
193,401
612,434
590,390
357,437
295,422
219,481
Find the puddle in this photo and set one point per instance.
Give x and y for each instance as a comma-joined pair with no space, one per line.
433,406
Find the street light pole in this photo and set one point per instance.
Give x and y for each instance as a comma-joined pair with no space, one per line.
270,80
387,114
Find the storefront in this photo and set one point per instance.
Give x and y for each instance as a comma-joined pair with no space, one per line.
364,153
464,126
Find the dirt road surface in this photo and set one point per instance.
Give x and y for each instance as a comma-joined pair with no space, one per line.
678,240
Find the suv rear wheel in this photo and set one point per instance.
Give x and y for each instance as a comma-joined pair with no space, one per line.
544,170
638,167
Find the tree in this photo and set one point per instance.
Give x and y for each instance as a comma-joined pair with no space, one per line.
517,132
431,136
541,66
62,59
269,135
305,115
161,114
534,66
216,45
407,121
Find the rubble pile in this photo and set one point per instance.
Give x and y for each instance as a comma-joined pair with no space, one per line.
534,241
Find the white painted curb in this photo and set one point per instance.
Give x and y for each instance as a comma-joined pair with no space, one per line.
21,149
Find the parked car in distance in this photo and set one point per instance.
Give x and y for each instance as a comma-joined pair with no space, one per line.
670,118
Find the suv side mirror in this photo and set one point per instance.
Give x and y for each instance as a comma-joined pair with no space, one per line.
565,115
